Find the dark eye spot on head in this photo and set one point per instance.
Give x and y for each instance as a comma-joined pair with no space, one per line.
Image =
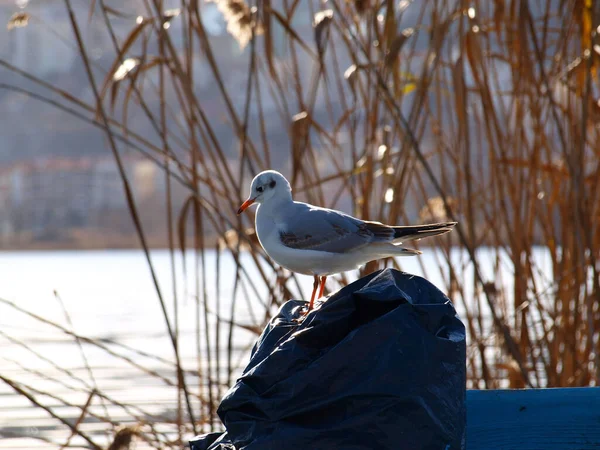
259,189
272,184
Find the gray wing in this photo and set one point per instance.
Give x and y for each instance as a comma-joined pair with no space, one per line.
312,228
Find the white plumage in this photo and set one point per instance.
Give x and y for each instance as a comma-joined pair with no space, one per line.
318,241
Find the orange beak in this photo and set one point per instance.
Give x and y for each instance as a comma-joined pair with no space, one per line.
245,205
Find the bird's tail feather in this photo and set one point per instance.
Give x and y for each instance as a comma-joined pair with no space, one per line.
382,250
409,233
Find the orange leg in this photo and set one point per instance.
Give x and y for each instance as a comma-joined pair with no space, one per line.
322,286
312,297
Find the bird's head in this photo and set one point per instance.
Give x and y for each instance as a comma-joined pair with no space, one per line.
267,186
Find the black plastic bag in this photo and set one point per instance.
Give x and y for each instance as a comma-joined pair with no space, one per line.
379,365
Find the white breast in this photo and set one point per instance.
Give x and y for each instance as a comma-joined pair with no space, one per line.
307,262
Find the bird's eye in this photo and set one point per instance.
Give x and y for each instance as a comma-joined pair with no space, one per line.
259,189
272,184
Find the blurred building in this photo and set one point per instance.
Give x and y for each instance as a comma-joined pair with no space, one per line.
46,198
6,226
107,188
49,195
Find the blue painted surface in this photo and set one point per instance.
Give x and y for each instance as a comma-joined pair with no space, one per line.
564,419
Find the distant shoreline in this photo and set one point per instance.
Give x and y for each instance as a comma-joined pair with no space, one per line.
95,241
125,244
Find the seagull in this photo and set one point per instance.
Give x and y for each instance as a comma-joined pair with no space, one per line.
318,241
